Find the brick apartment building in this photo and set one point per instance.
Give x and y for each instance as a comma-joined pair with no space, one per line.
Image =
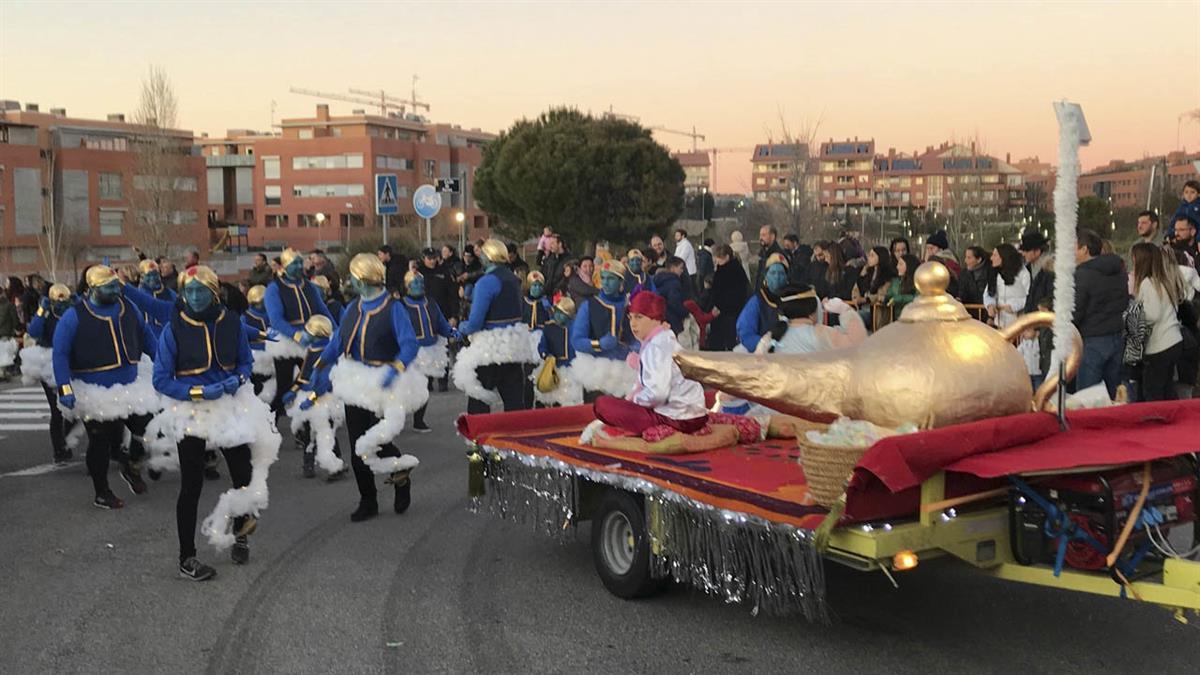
1127,184
80,175
696,172
949,180
313,184
775,166
846,171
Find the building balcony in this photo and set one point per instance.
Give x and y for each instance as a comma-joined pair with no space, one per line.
215,161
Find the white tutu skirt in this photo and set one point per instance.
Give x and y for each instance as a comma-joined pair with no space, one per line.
8,352
510,344
264,365
568,392
610,376
323,418
96,402
433,360
360,385
285,348
37,366
227,422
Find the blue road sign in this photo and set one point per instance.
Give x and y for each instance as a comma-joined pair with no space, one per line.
386,194
427,201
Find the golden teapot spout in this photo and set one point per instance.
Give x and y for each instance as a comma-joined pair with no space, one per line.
810,386
1033,321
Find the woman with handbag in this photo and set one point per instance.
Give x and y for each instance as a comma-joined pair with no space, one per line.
1159,295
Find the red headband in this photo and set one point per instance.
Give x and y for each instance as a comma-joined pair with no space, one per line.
650,305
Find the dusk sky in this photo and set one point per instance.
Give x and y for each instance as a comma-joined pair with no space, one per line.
906,74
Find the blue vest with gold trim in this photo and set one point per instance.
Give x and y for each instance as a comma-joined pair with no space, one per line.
102,343
372,330
558,343
297,300
257,325
199,345
603,322
535,312
506,306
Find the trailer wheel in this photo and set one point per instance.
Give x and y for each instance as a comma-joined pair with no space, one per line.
620,547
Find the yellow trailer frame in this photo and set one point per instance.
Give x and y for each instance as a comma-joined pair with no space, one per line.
981,538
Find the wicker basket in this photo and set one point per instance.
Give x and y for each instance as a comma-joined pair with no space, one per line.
827,467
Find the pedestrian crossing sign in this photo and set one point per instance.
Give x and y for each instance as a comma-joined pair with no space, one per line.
386,194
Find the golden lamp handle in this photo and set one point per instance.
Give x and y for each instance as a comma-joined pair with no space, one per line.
1033,320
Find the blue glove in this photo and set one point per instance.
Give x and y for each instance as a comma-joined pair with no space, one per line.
230,384
608,343
390,376
67,401
272,335
288,397
306,404
305,339
45,304
212,392
454,334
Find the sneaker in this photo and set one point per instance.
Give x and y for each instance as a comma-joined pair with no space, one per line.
310,471
211,473
337,475
241,551
403,494
61,458
421,428
363,512
133,478
108,501
195,570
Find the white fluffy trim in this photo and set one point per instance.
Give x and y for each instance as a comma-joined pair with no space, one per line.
284,348
101,403
433,360
8,352
324,417
265,365
37,365
510,344
610,376
569,392
360,385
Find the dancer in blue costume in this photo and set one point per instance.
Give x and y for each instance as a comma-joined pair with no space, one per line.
601,337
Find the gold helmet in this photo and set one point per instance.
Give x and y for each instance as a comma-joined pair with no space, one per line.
566,305
495,251
535,276
410,275
776,258
612,267
367,268
255,294
99,275
146,266
201,274
289,254
321,282
634,253
319,325
59,293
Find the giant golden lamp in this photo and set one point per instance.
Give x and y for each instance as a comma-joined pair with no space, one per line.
934,367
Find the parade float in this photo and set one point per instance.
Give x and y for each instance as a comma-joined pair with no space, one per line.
924,441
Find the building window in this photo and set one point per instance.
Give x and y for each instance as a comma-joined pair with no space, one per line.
110,186
430,167
394,163
102,143
353,220
760,181
248,215
277,220
271,168
306,134
111,223
178,183
306,220
274,194
346,161
184,217
348,190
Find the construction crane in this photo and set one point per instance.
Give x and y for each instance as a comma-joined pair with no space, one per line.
694,136
380,99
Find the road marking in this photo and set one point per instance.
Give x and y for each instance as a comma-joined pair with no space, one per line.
23,409
24,427
24,406
24,415
35,470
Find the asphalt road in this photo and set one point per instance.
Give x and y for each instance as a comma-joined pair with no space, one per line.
440,589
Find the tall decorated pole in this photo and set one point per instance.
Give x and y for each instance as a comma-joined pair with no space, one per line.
1072,133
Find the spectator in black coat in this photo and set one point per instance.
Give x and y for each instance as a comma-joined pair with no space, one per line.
396,266
518,266
975,277
439,285
553,265
704,262
730,289
1041,278
1101,296
767,239
668,282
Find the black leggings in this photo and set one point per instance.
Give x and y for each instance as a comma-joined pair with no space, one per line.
58,428
191,482
504,379
104,443
1158,374
419,416
285,377
358,420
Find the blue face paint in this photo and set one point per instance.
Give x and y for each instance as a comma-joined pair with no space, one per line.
635,265
295,269
777,278
610,284
416,287
152,280
536,290
198,297
106,294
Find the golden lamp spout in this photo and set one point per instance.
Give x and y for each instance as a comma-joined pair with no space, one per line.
934,367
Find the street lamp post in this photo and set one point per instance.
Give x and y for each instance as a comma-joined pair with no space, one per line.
461,219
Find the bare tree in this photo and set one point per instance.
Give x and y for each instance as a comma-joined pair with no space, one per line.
802,203
54,238
161,182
